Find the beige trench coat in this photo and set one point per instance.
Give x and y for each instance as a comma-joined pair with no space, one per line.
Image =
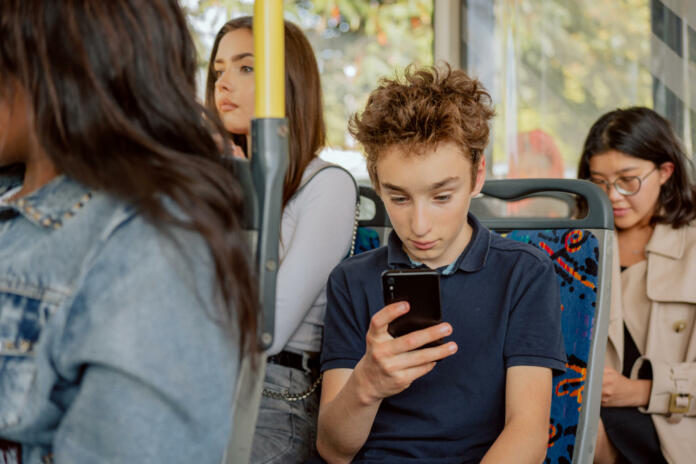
656,299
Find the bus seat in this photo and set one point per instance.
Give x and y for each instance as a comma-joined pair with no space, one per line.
581,249
373,222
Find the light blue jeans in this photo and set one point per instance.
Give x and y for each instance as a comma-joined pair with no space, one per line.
286,431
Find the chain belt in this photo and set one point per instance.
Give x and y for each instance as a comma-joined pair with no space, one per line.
287,396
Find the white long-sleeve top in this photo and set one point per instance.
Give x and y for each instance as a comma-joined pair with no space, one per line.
316,231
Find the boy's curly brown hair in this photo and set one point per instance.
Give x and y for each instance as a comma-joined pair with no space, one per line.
430,105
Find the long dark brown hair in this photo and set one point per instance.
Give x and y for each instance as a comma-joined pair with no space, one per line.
642,133
303,102
111,86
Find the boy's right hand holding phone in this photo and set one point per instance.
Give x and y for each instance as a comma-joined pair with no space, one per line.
390,364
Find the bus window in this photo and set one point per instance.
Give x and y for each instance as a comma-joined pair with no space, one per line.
355,42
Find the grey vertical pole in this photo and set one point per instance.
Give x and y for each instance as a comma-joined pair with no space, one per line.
269,161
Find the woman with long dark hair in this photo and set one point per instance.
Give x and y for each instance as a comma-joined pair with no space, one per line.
126,294
317,224
648,412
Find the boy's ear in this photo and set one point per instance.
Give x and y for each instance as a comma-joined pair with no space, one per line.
480,168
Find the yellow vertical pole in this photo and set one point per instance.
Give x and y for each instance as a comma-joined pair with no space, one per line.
269,162
269,59
269,140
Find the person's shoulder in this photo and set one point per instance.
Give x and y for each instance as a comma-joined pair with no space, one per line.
140,263
106,213
317,165
326,181
319,169
363,264
518,251
679,243
129,238
690,231
689,254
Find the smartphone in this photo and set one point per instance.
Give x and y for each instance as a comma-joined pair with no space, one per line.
421,289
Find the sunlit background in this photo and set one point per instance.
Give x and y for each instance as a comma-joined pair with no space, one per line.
552,66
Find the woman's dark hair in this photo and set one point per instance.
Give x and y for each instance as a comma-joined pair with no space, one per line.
111,88
303,102
642,133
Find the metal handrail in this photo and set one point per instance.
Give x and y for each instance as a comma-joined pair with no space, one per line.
269,162
599,216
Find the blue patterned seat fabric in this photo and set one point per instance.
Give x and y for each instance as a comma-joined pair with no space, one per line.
365,239
575,254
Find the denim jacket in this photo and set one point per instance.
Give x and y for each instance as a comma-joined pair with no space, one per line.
109,349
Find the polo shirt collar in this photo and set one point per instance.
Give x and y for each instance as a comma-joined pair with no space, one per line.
472,259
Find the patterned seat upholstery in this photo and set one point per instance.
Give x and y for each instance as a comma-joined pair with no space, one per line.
365,239
373,224
575,254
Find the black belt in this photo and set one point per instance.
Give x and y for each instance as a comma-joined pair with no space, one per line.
10,451
303,362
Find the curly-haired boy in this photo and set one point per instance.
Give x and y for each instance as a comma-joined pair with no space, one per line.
485,393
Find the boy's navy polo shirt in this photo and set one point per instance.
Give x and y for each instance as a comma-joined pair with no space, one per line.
503,303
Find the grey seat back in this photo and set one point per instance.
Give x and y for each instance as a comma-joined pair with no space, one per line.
581,249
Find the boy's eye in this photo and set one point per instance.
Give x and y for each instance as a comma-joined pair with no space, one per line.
443,198
398,200
247,69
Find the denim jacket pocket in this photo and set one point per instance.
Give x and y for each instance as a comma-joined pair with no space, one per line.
23,315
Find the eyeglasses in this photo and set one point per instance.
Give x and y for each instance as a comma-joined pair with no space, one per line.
627,185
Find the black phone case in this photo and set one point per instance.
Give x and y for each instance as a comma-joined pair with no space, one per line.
421,289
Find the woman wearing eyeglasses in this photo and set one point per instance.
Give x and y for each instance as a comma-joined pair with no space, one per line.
648,406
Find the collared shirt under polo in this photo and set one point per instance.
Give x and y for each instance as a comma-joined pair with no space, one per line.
503,303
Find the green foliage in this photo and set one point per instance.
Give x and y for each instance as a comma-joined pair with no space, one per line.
575,61
356,43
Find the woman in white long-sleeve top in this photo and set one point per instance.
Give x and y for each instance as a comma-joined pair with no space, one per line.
648,408
316,230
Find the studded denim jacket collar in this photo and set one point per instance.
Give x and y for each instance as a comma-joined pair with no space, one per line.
50,206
